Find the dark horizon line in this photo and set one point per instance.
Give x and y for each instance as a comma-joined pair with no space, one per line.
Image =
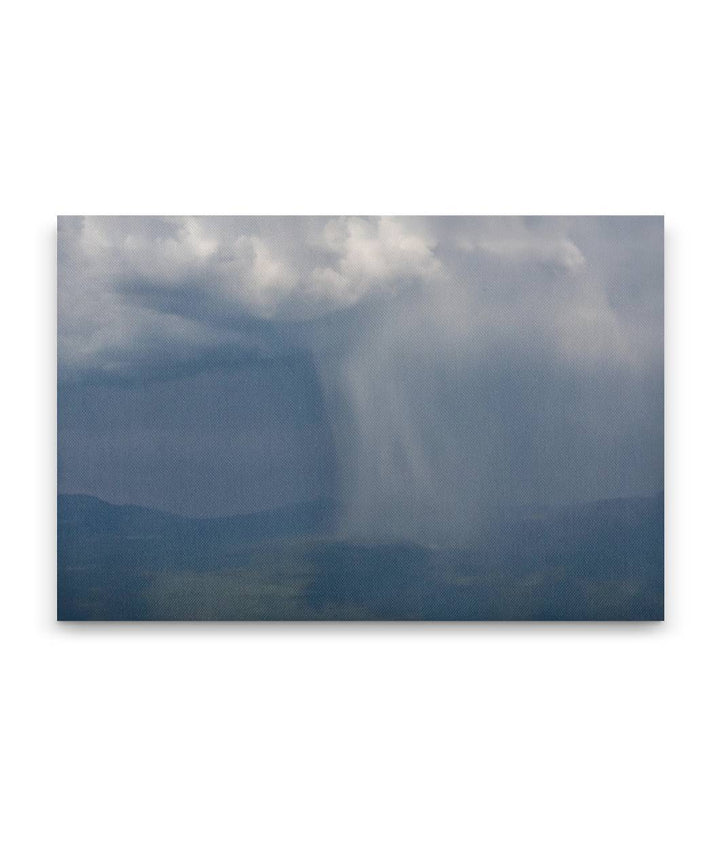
331,501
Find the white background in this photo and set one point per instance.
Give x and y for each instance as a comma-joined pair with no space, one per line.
359,739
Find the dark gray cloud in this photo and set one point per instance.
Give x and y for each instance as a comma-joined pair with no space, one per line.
243,437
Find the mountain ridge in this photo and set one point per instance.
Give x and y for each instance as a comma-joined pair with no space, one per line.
597,561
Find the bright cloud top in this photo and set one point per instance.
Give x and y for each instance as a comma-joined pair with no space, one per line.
132,287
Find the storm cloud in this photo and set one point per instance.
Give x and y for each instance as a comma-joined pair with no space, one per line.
420,370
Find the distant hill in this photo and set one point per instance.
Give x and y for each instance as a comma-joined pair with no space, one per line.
82,516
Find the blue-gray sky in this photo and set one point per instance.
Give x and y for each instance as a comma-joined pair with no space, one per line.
421,370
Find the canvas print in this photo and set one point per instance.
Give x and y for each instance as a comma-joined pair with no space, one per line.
360,418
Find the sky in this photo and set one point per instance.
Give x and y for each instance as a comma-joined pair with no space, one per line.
421,371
